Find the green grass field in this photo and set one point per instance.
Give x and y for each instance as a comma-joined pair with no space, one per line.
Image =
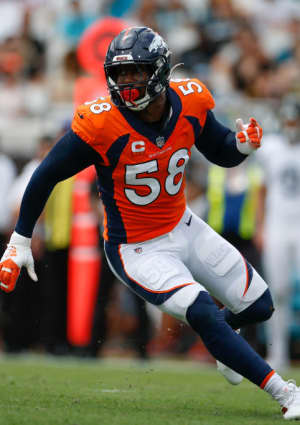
36,390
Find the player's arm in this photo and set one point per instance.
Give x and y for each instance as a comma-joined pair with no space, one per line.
224,147
69,156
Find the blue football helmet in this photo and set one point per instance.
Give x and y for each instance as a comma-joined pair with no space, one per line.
143,48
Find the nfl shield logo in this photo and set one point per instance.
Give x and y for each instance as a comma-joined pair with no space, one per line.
160,141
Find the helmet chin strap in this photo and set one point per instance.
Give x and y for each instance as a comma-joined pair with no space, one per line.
136,107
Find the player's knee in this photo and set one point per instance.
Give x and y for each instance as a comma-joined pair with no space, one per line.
263,307
202,314
261,310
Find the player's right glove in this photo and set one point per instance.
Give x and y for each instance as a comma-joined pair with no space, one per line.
17,254
248,136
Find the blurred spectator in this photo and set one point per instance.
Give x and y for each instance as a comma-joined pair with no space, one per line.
57,222
11,13
119,8
57,226
220,21
22,84
22,67
240,60
61,85
22,308
36,98
17,189
11,66
172,20
7,177
75,21
271,21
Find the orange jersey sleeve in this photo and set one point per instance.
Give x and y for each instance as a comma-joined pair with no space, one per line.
93,122
83,125
196,97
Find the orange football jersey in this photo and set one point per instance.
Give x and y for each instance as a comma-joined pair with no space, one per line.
141,178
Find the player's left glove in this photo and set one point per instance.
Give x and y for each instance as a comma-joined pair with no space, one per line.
17,254
248,136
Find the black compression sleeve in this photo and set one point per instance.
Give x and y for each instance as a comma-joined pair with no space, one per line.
69,156
217,143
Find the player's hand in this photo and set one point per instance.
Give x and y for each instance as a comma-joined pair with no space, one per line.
248,136
17,254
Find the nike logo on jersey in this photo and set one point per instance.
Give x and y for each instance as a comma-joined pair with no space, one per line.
80,115
189,221
159,153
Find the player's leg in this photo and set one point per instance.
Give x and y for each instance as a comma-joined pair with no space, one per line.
277,262
223,343
232,350
227,275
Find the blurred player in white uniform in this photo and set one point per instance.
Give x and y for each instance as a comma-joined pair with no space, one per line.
280,225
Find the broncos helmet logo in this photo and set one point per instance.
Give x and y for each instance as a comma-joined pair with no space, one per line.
157,43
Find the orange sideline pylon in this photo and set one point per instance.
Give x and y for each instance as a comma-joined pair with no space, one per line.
84,263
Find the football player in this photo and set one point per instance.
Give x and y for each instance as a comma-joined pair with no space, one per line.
280,225
139,139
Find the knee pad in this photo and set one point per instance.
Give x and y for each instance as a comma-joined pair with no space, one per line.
261,310
203,313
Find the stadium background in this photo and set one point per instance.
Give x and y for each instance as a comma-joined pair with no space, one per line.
247,53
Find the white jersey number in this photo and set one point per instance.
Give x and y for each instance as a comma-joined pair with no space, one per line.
172,184
191,86
97,108
132,178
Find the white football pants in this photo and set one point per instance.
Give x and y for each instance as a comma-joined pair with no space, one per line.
171,270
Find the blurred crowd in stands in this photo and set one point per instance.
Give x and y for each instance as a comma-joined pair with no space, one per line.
246,52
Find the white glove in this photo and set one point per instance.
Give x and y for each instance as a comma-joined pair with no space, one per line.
17,254
248,136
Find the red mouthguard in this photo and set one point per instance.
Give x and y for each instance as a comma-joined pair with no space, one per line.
130,95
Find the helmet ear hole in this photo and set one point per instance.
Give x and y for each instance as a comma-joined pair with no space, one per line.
147,50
